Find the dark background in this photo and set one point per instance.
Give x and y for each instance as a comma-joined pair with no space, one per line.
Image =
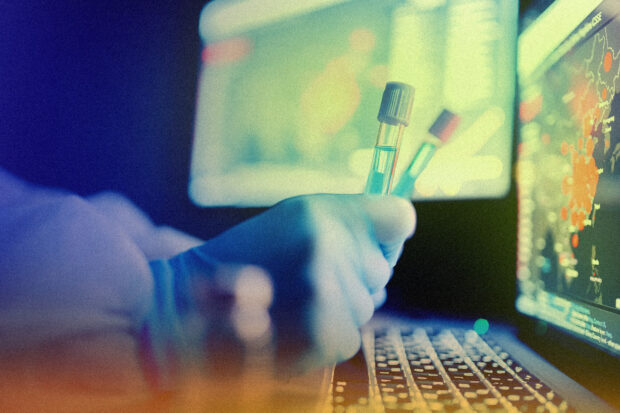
100,95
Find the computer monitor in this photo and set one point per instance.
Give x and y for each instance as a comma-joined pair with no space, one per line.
289,93
568,180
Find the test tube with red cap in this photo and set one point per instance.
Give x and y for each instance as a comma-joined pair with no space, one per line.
438,134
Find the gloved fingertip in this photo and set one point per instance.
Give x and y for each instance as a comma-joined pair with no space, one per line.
408,215
379,298
393,218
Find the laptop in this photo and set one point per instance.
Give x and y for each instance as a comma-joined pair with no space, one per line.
568,199
568,209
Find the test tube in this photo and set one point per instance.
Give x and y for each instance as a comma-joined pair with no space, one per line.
394,114
438,134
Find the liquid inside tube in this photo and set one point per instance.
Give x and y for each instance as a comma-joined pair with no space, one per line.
379,178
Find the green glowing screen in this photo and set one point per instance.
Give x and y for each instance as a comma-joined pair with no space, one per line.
288,95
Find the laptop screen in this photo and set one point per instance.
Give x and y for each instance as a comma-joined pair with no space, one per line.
289,92
567,172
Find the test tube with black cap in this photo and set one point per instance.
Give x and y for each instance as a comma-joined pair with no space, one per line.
393,117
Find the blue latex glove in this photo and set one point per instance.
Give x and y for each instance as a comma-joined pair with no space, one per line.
327,257
80,302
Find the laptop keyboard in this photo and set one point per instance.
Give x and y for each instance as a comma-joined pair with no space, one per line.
437,370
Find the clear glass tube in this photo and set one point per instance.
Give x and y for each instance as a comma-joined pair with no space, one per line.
406,184
384,159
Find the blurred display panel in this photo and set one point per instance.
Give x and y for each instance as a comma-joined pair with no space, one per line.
288,95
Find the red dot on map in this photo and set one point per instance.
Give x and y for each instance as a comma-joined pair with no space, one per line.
587,126
566,186
580,220
575,241
607,61
589,146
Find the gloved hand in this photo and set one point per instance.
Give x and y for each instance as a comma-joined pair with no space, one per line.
326,256
80,302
